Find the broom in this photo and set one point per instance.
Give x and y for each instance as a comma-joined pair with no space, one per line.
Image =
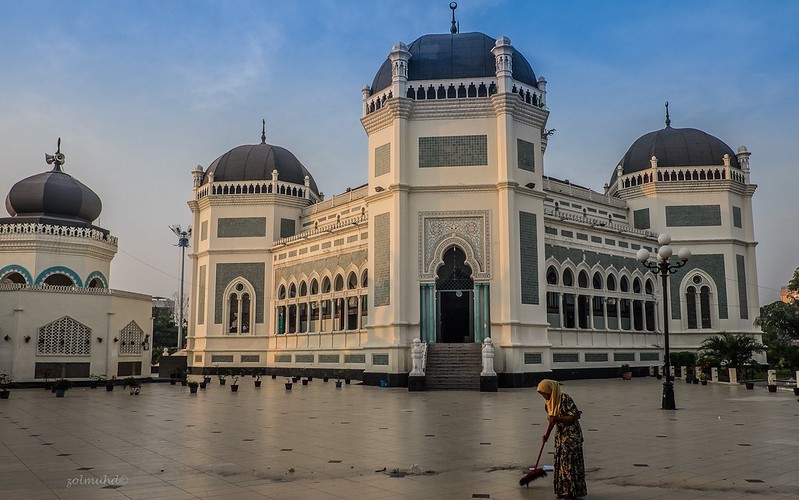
536,472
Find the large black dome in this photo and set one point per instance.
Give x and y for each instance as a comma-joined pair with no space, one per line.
676,147
53,197
445,57
256,162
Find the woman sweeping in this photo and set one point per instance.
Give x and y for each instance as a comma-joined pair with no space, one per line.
569,468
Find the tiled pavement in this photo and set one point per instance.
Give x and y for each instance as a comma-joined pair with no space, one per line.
317,442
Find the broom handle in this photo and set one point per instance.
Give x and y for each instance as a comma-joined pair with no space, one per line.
543,443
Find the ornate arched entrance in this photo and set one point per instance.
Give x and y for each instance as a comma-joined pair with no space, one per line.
454,298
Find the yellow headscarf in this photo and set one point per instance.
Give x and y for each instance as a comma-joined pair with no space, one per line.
553,389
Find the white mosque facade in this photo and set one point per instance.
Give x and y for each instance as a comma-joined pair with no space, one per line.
458,235
58,315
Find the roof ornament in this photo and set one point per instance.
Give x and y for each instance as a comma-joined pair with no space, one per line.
57,159
456,26
263,131
668,120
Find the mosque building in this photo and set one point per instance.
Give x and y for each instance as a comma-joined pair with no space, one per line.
58,315
458,235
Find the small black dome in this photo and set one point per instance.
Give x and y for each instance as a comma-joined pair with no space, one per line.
256,163
675,147
53,195
445,57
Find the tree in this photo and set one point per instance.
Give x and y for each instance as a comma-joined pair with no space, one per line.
731,349
793,284
780,324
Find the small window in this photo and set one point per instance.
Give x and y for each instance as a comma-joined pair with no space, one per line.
636,285
582,279
568,278
314,287
339,283
552,276
648,287
365,279
326,285
624,285
611,283
292,291
352,281
597,281
303,289
281,292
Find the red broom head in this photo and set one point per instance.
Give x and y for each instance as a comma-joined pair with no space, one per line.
532,476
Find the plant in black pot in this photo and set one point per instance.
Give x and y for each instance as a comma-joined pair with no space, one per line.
132,384
193,387
289,383
94,381
222,376
5,385
339,375
61,387
109,383
206,377
234,386
626,372
295,375
257,377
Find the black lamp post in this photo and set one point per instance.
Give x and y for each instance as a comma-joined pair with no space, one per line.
664,268
183,243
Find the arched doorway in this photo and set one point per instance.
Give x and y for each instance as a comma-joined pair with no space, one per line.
454,298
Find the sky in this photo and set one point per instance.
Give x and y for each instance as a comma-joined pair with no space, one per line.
142,92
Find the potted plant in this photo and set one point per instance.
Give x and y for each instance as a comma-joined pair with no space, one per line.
109,383
94,381
325,377
295,375
61,386
289,383
257,377
184,381
193,386
206,377
234,387
5,385
626,372
48,385
203,383
222,376
132,384
339,374
304,376
702,377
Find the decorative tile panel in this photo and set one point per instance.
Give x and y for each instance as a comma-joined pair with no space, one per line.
287,227
130,339
355,358
380,359
227,272
383,159
736,217
241,227
382,265
528,254
525,155
641,219
453,151
66,337
532,358
470,230
740,267
693,215
623,356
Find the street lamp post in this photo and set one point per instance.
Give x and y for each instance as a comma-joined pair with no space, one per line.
183,242
664,268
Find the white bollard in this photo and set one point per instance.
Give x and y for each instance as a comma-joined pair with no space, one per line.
733,376
671,371
714,374
772,377
488,358
684,372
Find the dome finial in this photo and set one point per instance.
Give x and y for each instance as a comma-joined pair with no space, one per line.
668,120
263,131
57,159
456,27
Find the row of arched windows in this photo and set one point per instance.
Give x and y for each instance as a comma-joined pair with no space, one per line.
301,309
601,302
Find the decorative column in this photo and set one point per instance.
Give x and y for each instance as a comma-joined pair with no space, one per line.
482,314
503,54
427,322
197,174
488,377
399,57
274,181
416,379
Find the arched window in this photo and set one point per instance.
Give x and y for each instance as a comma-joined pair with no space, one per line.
624,284
314,286
59,279
611,283
238,307
326,285
582,279
636,285
281,292
303,288
339,283
568,278
352,283
690,300
292,291
649,287
365,279
597,281
552,276
16,278
704,300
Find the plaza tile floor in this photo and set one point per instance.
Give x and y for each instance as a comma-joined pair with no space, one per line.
317,442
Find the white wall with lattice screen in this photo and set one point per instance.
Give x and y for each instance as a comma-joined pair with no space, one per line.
65,336
130,340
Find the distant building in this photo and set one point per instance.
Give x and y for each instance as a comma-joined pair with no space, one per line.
58,315
458,235
163,307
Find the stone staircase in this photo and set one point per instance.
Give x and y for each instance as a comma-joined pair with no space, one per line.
453,366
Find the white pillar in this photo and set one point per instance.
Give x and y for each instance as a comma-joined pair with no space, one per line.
488,359
733,376
503,54
399,57
714,374
772,377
